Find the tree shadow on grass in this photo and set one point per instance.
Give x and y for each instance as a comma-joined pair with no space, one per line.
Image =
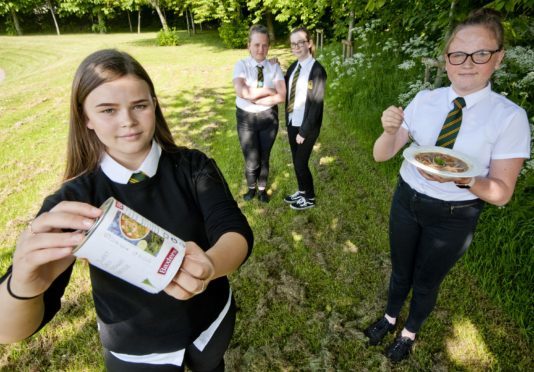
51,350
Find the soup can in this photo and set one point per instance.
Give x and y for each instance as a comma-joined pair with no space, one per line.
127,245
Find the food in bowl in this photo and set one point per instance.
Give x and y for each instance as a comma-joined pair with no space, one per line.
442,162
131,229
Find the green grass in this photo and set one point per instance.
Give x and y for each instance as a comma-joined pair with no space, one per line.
315,278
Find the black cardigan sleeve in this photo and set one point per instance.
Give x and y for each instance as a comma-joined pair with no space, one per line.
313,110
221,212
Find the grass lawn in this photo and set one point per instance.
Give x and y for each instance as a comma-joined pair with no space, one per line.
315,279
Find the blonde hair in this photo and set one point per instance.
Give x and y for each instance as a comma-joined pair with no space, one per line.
487,18
258,29
84,149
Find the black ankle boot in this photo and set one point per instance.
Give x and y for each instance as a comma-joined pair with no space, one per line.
250,194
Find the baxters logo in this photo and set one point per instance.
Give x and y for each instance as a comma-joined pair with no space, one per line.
119,205
167,261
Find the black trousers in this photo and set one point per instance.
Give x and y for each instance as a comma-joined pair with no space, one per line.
257,132
427,237
210,359
301,157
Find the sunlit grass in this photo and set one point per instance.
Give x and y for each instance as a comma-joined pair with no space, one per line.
467,347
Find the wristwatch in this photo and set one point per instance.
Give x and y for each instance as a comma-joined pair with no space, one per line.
467,185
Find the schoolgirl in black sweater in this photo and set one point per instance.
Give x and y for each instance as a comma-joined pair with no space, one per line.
116,129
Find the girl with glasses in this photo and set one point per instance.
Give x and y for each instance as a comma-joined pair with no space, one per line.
306,80
259,87
117,129
433,219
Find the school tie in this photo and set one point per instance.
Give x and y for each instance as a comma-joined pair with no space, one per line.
260,76
452,124
293,90
137,177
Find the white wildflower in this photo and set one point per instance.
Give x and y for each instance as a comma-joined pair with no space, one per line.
406,65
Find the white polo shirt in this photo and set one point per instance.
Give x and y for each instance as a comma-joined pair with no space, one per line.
301,91
246,69
493,127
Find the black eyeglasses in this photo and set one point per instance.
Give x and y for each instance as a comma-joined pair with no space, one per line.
479,57
299,44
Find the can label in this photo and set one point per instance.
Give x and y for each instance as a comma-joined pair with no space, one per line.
127,245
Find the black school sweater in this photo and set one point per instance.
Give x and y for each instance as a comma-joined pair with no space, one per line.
189,197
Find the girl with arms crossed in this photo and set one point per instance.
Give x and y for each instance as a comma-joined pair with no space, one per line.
259,87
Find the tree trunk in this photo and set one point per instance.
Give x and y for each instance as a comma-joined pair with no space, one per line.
351,26
101,23
155,4
187,20
16,22
192,22
270,27
129,20
139,20
49,4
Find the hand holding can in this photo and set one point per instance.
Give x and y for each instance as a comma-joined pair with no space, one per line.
127,245
194,276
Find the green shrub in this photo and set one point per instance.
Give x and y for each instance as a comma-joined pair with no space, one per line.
234,34
168,38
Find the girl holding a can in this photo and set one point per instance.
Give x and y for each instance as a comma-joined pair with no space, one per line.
120,145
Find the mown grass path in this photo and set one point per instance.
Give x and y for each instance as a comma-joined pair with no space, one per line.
315,279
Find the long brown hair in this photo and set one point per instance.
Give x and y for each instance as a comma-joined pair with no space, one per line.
487,18
308,38
84,149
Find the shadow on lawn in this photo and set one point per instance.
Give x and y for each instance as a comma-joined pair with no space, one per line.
194,116
38,352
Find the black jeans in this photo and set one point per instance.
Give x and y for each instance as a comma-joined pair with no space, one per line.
301,156
427,237
210,359
257,132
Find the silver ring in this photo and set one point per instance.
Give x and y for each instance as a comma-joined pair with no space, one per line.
30,228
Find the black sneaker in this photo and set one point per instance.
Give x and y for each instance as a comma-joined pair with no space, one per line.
399,349
378,330
293,197
250,194
262,195
303,203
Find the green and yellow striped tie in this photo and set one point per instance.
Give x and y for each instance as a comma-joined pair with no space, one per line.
260,76
452,124
293,90
137,177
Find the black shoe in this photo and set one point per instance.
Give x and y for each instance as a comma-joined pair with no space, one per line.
378,330
303,203
293,197
262,195
250,194
399,349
